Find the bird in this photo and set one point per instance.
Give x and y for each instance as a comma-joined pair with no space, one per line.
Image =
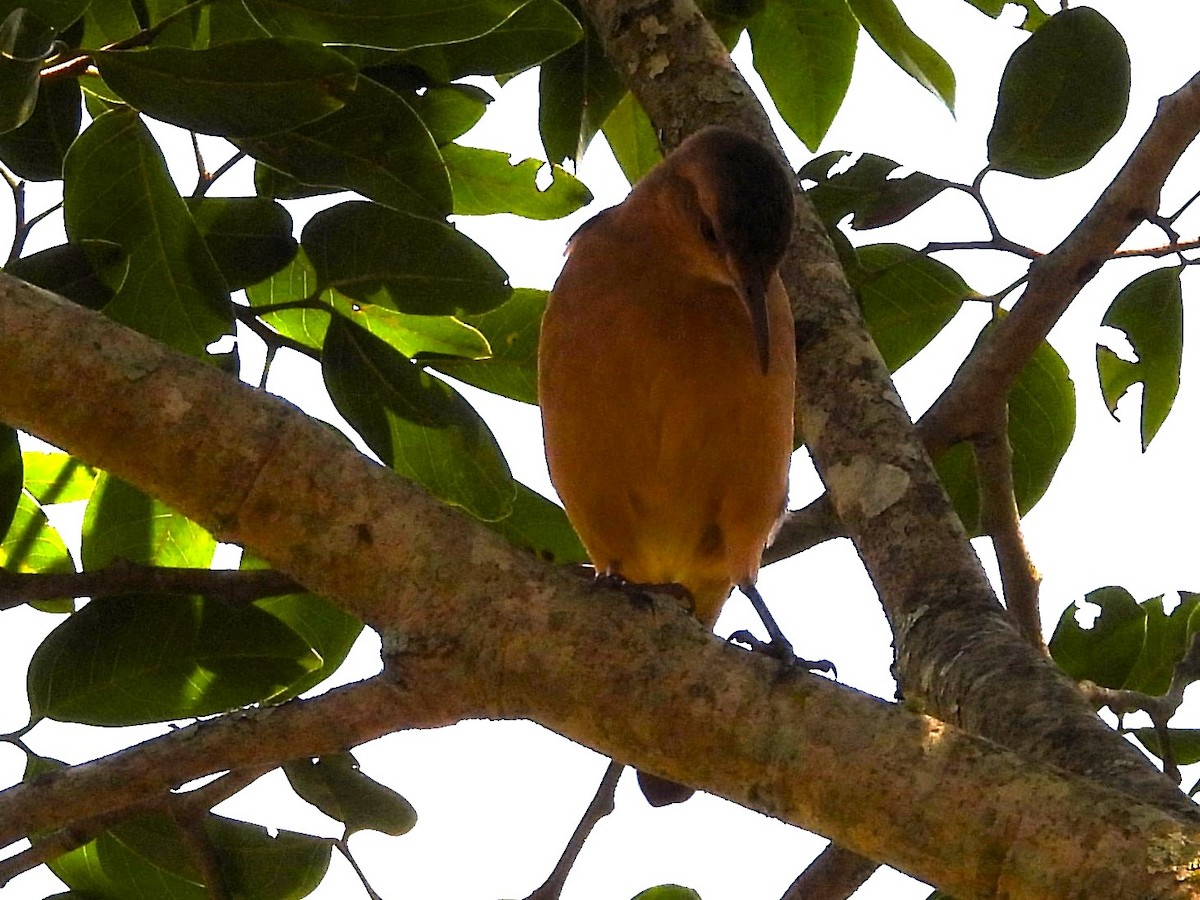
666,378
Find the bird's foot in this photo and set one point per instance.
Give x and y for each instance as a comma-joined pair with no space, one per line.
644,592
781,650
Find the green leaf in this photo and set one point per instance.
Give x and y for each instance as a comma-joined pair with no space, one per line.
1106,652
107,22
31,544
1150,312
541,527
1063,95
1041,424
121,522
36,150
250,238
12,476
668,892
1185,743
534,33
57,477
150,857
906,298
805,55
101,667
174,291
511,330
866,190
225,90
382,23
632,139
339,788
450,110
25,43
1167,638
84,271
485,182
328,631
888,29
376,255
375,145
416,423
57,14
577,90
183,31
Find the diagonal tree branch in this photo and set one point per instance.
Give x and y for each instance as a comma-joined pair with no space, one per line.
957,652
474,627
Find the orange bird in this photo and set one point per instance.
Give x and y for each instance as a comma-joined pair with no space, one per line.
666,374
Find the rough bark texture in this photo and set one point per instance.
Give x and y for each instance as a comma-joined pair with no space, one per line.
476,628
957,653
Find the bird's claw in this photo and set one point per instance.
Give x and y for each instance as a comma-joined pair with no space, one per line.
782,651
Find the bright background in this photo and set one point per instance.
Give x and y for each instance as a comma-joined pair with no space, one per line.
497,800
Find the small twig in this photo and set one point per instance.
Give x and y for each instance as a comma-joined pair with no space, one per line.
1001,521
269,336
122,576
602,804
206,179
1165,250
1174,217
343,847
805,528
1160,709
835,874
1001,244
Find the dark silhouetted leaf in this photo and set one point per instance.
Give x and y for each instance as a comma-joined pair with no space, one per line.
85,271
512,331
632,139
375,145
141,658
534,33
376,255
57,477
107,22
174,291
12,476
250,238
36,150
1185,743
339,788
121,522
150,857
866,190
888,29
450,111
906,298
1063,95
416,423
25,42
1150,312
57,14
577,90
382,23
225,90
805,54
485,182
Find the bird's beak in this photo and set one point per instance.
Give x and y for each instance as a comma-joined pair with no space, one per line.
752,285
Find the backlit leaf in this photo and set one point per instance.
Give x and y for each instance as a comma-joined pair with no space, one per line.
485,182
887,28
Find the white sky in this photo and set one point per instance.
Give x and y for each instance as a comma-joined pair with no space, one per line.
497,800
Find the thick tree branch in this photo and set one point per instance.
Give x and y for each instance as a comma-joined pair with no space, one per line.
1055,280
957,653
475,627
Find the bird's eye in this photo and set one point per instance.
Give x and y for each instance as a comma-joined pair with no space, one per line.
707,231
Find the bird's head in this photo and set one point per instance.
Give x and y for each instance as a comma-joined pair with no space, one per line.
739,202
